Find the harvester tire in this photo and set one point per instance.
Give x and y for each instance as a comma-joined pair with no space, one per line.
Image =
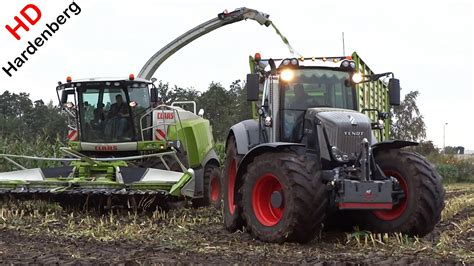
284,198
233,220
419,212
212,188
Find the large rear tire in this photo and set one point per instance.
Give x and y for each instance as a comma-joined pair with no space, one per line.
212,188
420,210
283,198
232,209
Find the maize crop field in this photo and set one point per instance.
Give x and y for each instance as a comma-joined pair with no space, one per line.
42,232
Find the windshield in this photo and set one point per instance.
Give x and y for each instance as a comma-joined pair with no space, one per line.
316,88
312,87
106,114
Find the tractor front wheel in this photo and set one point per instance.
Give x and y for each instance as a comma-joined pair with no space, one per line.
420,210
283,198
232,209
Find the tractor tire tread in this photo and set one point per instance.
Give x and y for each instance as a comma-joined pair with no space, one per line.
309,198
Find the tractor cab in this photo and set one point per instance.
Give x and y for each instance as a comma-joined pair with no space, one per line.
106,110
301,85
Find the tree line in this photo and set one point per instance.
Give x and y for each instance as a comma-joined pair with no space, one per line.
21,117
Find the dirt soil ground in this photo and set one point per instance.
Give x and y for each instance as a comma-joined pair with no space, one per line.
45,233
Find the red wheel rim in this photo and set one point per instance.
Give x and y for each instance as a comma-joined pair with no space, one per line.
215,189
261,200
230,185
399,209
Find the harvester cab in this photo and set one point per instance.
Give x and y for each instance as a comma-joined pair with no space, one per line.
319,146
123,116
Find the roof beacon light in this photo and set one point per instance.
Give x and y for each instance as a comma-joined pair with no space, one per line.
131,77
69,79
257,57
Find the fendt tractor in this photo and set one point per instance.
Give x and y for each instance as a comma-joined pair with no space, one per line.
320,148
125,147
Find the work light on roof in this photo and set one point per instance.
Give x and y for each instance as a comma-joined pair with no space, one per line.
348,64
357,78
287,75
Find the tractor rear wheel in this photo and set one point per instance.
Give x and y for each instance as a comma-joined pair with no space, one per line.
283,198
212,188
420,210
232,210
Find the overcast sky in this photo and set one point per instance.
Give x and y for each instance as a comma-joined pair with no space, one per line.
427,44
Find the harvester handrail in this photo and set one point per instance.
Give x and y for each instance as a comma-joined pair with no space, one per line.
162,107
185,102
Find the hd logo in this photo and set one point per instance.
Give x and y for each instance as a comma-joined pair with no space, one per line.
31,15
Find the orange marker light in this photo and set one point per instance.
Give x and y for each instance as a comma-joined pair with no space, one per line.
131,77
258,57
349,57
69,79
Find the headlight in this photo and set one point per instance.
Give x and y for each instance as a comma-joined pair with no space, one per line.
357,78
345,64
287,75
352,64
339,155
381,123
286,62
268,121
294,61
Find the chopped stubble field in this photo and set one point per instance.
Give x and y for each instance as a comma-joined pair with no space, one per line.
45,233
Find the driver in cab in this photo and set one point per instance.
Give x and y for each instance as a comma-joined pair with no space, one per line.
302,100
120,113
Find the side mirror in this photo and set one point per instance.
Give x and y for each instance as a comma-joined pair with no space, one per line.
253,84
64,95
154,95
201,112
394,91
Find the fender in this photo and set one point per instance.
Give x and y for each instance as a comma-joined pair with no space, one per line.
246,135
392,144
211,158
257,150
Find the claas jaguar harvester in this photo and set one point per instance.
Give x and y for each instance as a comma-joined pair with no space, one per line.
125,147
319,148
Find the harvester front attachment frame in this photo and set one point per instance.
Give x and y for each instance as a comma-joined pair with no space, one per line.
98,177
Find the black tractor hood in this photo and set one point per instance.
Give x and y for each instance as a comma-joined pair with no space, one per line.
343,128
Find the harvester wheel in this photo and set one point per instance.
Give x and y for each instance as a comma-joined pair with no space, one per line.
233,220
212,188
283,198
420,210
